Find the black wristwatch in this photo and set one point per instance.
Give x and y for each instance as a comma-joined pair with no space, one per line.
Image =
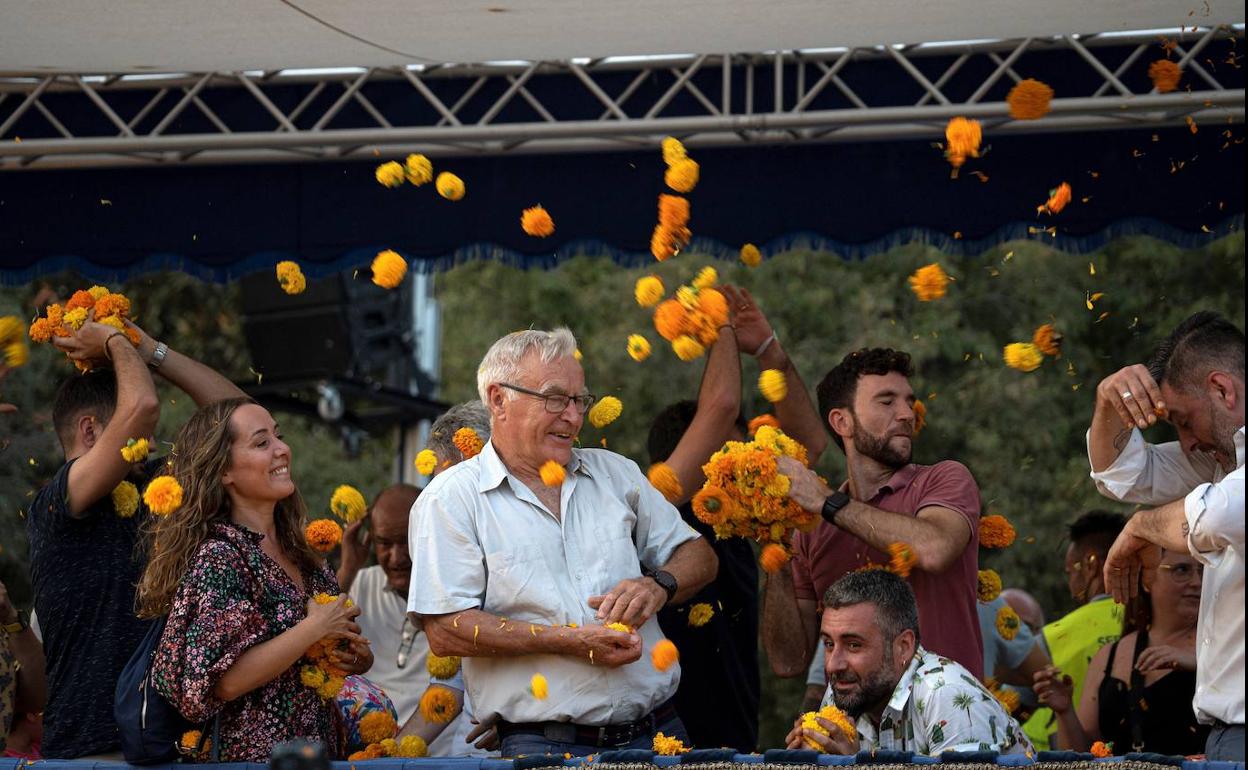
833,505
666,581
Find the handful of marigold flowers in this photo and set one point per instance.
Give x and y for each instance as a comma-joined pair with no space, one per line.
109,309
691,320
746,496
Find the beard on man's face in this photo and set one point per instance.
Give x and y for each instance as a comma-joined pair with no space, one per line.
879,448
870,692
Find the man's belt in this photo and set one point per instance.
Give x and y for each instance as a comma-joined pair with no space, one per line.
587,735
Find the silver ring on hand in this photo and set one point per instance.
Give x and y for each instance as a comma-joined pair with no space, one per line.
1127,394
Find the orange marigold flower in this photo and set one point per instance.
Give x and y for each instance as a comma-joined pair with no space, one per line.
1029,99
40,330
664,655
376,726
1165,75
920,416
713,304
773,557
112,304
163,495
389,269
902,559
763,419
552,473
1007,622
1048,339
663,243
437,705
995,531
673,211
664,479
682,176
810,721
962,140
988,585
1102,749
468,442
666,746
929,282
81,298
1058,198
711,505
536,221
323,535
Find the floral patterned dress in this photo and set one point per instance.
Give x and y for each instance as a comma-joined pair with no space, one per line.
233,597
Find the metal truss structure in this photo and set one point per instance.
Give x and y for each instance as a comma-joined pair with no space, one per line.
831,95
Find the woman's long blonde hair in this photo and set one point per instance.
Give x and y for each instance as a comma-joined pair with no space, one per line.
201,456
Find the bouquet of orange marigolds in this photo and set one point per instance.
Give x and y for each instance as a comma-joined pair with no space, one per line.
322,673
108,308
746,496
691,319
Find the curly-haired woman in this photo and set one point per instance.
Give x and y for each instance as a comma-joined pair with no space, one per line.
231,569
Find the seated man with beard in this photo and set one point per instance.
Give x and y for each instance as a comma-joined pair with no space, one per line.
902,697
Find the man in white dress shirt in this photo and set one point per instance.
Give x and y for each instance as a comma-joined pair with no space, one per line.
520,576
1196,383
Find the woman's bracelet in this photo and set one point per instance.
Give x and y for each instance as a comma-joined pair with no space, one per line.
108,355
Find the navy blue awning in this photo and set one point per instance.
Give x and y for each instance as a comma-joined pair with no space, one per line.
219,222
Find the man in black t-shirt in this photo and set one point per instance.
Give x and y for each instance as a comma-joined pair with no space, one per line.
83,539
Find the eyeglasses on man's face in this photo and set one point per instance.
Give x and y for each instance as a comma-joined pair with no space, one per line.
1183,573
555,402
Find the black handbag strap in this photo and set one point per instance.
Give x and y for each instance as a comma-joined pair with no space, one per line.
1135,698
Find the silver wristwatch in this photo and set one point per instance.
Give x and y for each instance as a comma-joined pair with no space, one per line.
158,355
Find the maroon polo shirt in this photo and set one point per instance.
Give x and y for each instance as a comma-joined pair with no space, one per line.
948,620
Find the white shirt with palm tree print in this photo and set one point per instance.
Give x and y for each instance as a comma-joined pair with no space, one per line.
939,706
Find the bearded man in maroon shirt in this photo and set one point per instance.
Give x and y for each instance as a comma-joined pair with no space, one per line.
934,509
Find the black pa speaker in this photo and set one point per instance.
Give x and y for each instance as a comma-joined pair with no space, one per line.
338,327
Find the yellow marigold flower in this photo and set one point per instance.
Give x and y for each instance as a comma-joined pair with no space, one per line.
577,354
605,411
687,348
376,726
333,685
618,626
902,559
290,277
442,666
1007,622
348,504
929,282
450,186
324,598
920,416
438,704
995,531
638,347
648,290
711,505
135,450
10,329
778,487
673,150
468,442
389,269
768,420
419,170
700,614
664,479
75,318
1022,356
426,461
390,174
773,557
16,354
664,654
313,676
125,499
1048,340
538,687
673,211
536,221
1009,699
112,304
190,740
1165,75
163,495
389,747
773,385
988,585
750,255
1029,100
666,746
682,176
962,140
1102,749
552,473
833,715
97,291
323,535
412,746
687,297
1058,198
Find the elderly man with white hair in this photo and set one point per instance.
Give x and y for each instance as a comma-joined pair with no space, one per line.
521,576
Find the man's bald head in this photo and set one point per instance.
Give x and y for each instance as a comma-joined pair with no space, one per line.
388,520
1028,609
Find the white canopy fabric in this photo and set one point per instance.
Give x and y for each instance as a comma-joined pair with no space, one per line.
135,36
